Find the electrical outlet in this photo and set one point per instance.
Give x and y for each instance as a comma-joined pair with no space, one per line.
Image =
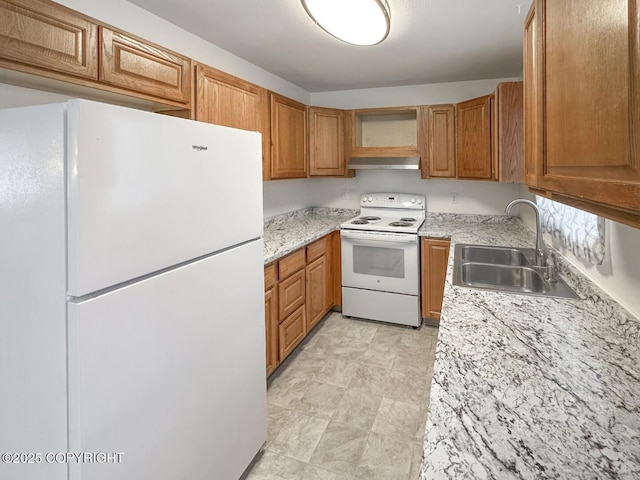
454,197
345,194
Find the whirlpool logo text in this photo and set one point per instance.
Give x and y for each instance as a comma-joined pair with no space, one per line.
199,147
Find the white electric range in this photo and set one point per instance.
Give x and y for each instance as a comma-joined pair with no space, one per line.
381,259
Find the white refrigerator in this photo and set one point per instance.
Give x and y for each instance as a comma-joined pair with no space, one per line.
131,296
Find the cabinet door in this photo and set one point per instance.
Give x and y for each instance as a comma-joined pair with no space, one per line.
326,142
288,137
36,33
318,291
441,141
591,92
532,99
271,329
291,332
473,138
435,258
291,294
139,66
507,133
230,101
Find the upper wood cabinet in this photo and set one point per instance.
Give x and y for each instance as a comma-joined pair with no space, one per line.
46,39
473,138
532,98
230,101
507,133
386,132
589,142
37,34
137,65
441,155
288,138
326,142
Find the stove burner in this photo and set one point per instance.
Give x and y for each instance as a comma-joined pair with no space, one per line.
407,219
370,218
359,221
400,224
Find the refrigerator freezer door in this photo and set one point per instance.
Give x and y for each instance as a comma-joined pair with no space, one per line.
170,372
149,191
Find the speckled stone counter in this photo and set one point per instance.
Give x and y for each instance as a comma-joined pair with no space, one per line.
288,232
530,387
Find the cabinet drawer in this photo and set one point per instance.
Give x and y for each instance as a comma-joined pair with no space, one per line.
317,248
291,332
291,294
46,35
145,68
269,276
291,263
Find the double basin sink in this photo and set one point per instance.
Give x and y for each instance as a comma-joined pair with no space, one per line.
504,269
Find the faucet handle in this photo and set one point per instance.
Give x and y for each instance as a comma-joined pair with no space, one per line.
550,270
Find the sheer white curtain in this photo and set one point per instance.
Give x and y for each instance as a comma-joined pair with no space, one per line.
580,232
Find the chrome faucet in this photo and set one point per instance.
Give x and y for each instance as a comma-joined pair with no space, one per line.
541,250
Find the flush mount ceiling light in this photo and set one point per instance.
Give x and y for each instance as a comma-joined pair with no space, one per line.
359,22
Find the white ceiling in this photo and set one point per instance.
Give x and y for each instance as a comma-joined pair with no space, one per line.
431,41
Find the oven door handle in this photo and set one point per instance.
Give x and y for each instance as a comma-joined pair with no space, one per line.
379,237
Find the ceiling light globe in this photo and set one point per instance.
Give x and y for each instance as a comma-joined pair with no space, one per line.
359,22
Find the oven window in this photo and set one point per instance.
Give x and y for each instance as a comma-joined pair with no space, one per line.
378,261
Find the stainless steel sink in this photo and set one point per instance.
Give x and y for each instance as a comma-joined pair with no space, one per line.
504,269
504,277
497,255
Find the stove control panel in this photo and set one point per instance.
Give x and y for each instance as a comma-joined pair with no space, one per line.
393,200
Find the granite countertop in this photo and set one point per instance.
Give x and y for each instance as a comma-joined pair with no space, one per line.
528,387
288,232
524,387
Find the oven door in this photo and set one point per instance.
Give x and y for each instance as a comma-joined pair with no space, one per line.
383,261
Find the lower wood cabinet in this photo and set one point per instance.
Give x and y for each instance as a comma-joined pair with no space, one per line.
299,291
271,328
291,294
318,280
435,258
292,331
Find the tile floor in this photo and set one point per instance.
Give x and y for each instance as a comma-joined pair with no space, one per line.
349,404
